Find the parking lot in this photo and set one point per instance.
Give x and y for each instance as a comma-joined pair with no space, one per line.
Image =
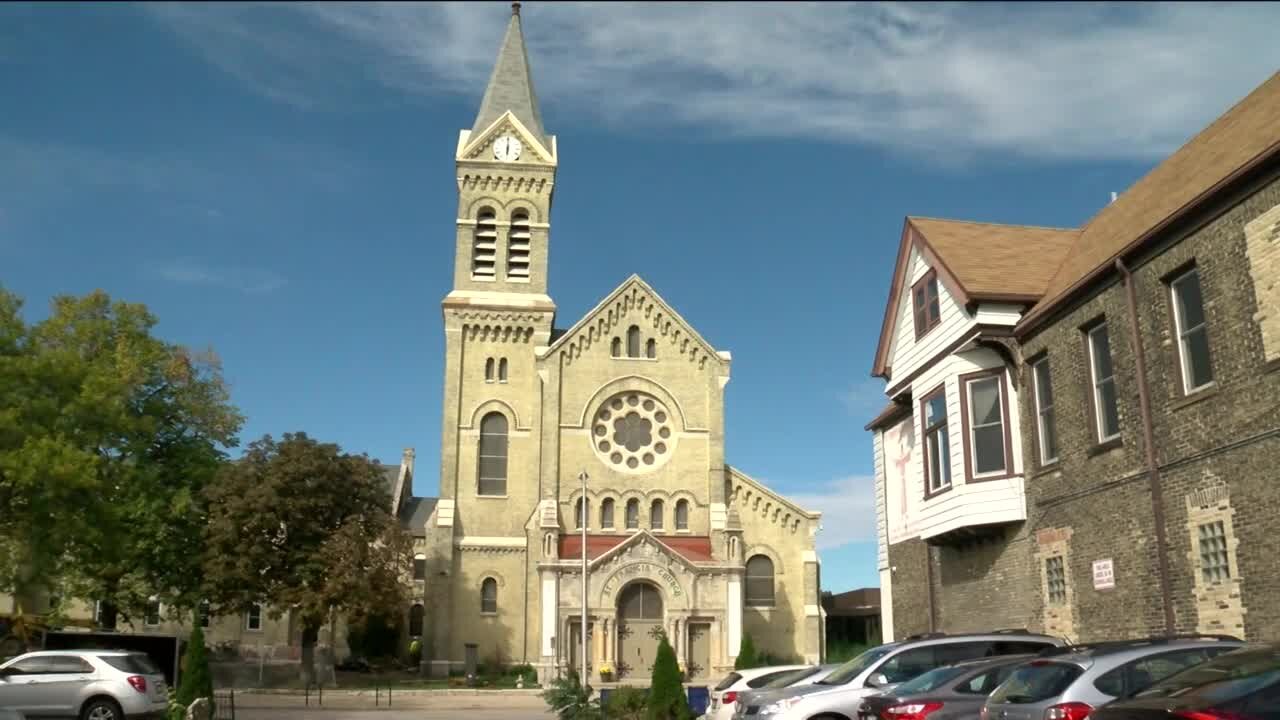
419,706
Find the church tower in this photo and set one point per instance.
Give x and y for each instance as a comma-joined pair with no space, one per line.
496,318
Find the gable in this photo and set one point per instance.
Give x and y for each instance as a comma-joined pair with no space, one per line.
474,145
635,303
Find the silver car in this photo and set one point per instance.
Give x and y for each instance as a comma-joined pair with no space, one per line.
87,684
1070,683
839,695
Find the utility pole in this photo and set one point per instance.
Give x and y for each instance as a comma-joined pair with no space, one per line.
582,520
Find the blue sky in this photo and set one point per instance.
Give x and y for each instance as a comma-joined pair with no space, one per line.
277,182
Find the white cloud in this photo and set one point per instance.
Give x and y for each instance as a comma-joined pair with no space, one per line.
241,279
848,507
1069,80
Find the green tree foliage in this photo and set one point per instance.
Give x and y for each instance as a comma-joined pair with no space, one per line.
299,524
196,681
746,654
667,700
569,699
627,703
108,436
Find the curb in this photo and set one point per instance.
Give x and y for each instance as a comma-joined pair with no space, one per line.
396,692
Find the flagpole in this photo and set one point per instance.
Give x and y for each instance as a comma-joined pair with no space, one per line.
582,520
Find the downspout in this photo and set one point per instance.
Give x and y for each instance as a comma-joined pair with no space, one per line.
1148,437
928,575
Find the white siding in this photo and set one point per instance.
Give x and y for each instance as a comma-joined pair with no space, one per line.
998,314
976,503
905,354
882,537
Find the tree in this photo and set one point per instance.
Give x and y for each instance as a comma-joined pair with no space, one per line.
569,699
746,655
667,700
107,438
196,681
299,524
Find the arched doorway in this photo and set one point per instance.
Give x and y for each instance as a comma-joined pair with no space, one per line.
639,627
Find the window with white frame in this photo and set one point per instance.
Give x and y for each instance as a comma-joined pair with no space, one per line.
986,426
1106,409
1046,427
253,617
606,513
202,613
937,441
152,616
1193,337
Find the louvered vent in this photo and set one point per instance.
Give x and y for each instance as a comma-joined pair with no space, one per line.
484,254
518,247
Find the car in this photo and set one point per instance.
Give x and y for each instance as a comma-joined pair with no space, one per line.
88,684
951,692
1069,683
725,693
808,676
838,696
1241,684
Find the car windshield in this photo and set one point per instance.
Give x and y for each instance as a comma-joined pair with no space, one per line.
856,666
1222,679
929,681
787,679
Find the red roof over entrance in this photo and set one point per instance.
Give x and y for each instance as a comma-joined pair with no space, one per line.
695,548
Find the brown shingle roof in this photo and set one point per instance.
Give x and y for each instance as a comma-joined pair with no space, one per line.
997,260
1247,132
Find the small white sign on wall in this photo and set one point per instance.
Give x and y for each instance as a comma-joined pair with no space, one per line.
1104,575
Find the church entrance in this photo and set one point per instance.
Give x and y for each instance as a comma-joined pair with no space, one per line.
639,627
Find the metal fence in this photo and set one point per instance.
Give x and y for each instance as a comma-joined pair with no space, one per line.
224,704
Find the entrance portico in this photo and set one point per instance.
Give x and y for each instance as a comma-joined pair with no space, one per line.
638,589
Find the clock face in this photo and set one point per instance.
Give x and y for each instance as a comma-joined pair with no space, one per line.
507,148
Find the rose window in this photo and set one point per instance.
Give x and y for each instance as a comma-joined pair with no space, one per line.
632,431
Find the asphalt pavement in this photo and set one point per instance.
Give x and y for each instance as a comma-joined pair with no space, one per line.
404,707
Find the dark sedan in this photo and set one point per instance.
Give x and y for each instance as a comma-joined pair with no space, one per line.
951,692
1240,685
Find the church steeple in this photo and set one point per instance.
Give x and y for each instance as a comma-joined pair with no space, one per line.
511,84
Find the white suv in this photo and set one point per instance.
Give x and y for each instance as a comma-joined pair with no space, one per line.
88,684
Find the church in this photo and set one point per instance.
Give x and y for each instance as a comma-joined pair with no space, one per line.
630,397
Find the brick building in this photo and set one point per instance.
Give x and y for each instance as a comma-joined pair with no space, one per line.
1083,431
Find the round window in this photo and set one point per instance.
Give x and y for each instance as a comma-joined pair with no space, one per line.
632,431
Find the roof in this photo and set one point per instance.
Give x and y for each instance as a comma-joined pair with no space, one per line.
988,259
511,86
695,548
415,513
892,412
1246,133
854,603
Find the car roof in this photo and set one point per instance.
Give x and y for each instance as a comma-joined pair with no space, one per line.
73,651
995,635
1127,649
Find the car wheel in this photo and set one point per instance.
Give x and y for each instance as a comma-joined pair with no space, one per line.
101,709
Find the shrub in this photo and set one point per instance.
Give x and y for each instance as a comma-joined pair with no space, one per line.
626,703
570,699
196,681
667,700
746,655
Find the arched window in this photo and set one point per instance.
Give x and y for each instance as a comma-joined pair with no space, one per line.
633,341
651,349
633,514
615,347
682,514
580,511
493,455
502,370
489,596
518,246
419,567
415,620
759,581
606,513
484,250
488,370
655,515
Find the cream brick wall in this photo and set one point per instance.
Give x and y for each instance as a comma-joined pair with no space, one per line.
1262,245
